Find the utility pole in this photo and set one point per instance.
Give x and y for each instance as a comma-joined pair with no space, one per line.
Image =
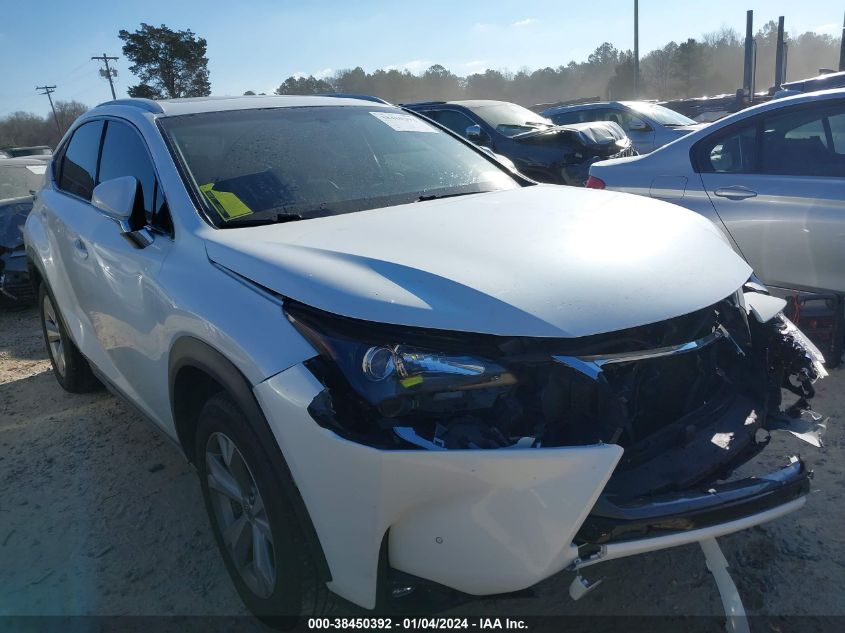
748,66
842,48
48,90
780,57
636,49
107,72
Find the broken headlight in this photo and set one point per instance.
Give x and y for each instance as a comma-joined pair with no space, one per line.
380,383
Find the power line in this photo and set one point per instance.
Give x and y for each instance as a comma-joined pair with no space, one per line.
48,90
107,72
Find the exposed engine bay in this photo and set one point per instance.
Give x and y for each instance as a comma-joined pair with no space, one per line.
687,398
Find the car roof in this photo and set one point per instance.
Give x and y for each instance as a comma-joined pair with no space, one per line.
775,104
466,103
589,105
803,84
196,105
17,149
21,162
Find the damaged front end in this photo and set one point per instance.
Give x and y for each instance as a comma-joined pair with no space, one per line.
594,141
689,399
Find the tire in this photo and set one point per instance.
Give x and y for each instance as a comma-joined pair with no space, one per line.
70,367
258,501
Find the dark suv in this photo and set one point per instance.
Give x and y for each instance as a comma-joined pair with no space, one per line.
539,149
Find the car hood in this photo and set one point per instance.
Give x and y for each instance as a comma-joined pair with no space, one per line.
589,134
542,261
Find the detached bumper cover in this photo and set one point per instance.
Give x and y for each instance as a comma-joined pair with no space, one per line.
479,521
484,521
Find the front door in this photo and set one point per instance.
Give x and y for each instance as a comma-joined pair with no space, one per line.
127,307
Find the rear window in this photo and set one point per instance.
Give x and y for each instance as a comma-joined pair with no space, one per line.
79,164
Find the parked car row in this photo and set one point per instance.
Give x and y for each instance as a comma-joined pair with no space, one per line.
648,125
398,363
540,149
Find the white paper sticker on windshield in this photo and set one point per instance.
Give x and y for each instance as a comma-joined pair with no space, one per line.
37,169
402,122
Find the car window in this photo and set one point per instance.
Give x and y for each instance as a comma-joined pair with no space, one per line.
576,116
79,164
125,154
796,143
660,114
510,119
19,181
837,132
452,119
620,117
734,152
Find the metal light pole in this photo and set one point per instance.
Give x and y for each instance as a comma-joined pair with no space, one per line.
780,67
842,48
636,49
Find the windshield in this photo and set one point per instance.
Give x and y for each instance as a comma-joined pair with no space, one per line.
661,115
511,119
281,164
18,181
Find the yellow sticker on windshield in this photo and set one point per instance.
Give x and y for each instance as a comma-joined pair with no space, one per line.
227,204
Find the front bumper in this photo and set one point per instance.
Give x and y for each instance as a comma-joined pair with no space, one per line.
478,521
15,284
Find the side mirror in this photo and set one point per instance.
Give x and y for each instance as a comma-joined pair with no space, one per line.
116,199
638,126
475,134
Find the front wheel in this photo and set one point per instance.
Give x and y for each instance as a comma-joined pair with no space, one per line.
252,517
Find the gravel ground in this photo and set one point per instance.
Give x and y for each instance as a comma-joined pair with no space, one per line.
100,515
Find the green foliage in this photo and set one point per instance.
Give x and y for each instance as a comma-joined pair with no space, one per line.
696,67
303,86
169,63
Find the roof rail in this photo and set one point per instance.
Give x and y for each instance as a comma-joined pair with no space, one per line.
136,102
349,95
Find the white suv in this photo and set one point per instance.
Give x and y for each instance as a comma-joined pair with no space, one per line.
393,361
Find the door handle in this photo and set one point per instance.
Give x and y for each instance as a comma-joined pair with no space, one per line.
79,248
735,193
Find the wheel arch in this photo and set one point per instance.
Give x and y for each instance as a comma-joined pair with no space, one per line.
196,372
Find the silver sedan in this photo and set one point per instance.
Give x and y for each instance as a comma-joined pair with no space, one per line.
771,177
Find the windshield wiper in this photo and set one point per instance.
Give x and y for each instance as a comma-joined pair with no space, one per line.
435,196
276,219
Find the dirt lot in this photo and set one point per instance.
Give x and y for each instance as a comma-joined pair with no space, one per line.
99,514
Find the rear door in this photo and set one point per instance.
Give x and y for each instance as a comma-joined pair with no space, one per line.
777,182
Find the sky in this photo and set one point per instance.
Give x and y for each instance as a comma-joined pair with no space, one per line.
256,44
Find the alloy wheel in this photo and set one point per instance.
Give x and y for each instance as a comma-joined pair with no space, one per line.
55,340
241,514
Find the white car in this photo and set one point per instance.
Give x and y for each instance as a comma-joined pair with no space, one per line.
393,361
771,177
648,125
